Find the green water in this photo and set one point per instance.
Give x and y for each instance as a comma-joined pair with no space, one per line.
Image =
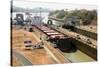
78,56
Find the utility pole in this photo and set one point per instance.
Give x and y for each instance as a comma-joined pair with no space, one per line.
40,24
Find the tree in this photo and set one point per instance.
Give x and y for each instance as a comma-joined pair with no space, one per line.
53,12
86,16
61,14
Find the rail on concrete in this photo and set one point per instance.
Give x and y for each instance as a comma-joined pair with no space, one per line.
86,33
55,53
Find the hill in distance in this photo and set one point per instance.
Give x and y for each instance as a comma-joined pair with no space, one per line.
34,10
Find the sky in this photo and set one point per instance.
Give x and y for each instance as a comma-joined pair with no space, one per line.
52,6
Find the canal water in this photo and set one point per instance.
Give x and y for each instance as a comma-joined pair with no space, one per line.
78,56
